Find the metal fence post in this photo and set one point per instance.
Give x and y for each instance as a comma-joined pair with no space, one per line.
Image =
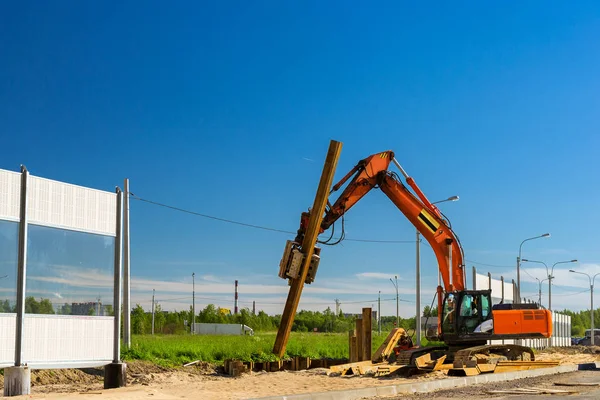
117,279
126,270
22,268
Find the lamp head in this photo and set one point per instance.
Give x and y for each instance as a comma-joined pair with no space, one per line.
546,235
573,261
453,198
572,270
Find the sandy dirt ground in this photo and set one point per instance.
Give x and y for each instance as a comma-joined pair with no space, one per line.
147,381
482,391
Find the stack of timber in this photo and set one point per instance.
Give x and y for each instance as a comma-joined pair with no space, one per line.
359,339
236,367
362,362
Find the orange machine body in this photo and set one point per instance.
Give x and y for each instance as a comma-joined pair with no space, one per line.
523,322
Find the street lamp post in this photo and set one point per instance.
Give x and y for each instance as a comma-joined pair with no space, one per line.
418,316
540,289
519,264
193,302
397,308
591,301
550,275
379,313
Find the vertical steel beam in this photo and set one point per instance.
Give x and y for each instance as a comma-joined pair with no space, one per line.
418,294
21,268
117,279
310,239
126,270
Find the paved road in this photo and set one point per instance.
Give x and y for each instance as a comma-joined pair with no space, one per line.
479,392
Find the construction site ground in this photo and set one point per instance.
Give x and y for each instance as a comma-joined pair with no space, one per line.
482,391
146,380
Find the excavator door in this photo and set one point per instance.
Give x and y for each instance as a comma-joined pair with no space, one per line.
467,314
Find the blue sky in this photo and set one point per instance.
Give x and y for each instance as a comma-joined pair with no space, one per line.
228,111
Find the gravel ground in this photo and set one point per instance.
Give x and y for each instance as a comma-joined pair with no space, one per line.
476,392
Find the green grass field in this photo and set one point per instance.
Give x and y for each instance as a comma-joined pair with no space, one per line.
176,350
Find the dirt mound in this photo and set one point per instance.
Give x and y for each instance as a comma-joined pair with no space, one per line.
66,376
86,379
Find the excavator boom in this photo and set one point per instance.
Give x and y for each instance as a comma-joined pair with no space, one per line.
372,172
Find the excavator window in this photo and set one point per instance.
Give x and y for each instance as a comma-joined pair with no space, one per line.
449,314
471,315
468,306
485,306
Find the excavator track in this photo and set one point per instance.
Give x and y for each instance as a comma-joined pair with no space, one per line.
510,352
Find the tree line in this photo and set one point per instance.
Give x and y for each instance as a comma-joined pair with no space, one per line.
304,321
174,322
45,306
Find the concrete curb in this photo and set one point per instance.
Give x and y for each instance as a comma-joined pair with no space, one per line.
430,386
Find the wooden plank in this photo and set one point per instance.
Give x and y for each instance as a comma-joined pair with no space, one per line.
388,345
354,349
342,367
366,333
308,244
359,340
350,334
387,369
508,366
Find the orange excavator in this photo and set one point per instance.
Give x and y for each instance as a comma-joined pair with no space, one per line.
467,319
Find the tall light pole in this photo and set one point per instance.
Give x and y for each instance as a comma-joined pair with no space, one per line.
153,311
519,264
540,289
397,308
379,313
193,302
418,316
550,274
591,301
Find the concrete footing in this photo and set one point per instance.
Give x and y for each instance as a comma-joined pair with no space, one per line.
115,375
17,381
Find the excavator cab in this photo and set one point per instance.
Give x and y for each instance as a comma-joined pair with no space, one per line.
467,315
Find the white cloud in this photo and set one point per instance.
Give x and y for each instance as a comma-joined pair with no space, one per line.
211,278
190,263
375,275
75,284
562,276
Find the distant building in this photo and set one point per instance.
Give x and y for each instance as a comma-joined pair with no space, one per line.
350,315
89,308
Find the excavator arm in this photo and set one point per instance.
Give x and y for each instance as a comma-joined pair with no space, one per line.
372,172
